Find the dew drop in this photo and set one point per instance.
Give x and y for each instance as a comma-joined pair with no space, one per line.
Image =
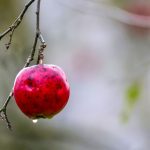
35,121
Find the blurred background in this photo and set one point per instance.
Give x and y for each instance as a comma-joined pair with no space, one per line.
104,48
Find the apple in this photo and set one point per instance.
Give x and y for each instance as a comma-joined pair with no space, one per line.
41,91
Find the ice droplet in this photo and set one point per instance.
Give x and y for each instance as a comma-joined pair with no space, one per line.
35,121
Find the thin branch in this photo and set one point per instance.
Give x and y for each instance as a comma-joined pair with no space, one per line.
15,24
32,53
37,36
3,113
10,39
30,58
43,44
38,16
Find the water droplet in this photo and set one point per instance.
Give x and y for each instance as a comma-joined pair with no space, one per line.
35,121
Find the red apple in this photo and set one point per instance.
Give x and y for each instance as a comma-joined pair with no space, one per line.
41,91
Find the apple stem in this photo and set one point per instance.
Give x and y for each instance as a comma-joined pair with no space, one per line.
41,55
40,61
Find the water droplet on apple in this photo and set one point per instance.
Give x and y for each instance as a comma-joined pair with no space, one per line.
35,121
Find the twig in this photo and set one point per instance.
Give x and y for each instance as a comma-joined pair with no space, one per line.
41,55
30,58
43,44
10,39
3,113
15,24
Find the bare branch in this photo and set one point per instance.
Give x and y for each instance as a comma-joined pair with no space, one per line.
3,113
38,35
10,39
30,58
15,24
43,44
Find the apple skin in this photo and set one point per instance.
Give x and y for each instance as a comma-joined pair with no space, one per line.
41,91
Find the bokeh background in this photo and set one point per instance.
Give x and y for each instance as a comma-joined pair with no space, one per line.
104,48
